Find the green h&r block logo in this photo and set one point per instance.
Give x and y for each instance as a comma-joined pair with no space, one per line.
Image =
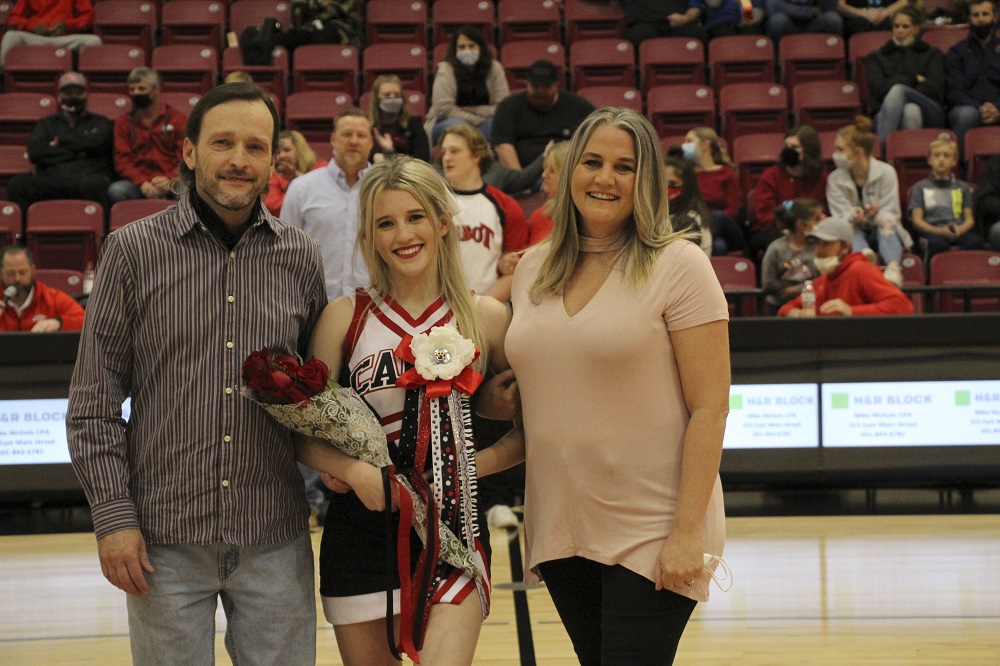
963,398
736,401
839,401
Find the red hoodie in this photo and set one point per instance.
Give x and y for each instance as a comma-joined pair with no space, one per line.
27,14
46,303
860,284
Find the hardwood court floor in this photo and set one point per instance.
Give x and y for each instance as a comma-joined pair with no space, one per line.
913,590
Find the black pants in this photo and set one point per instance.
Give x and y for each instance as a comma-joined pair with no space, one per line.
614,616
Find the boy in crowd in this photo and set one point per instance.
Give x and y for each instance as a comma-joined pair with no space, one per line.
941,204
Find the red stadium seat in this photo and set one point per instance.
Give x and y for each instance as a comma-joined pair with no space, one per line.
125,212
407,61
130,22
10,223
182,101
602,62
200,22
914,275
396,21
36,68
601,96
416,103
516,59
860,46
737,273
665,61
945,38
109,105
449,15
678,109
741,58
326,67
826,105
13,162
323,149
312,113
272,78
19,112
107,66
245,13
811,57
522,20
966,267
63,279
906,150
65,233
586,19
981,143
752,108
753,153
186,67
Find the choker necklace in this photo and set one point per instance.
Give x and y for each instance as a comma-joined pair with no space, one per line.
608,244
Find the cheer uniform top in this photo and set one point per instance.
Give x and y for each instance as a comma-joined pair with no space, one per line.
353,550
490,223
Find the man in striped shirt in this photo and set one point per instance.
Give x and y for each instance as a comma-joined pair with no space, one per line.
198,497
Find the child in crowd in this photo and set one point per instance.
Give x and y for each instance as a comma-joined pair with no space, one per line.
941,205
788,261
688,209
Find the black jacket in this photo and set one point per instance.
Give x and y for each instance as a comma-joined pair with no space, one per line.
986,200
70,151
893,64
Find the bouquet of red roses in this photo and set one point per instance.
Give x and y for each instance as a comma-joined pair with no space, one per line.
282,379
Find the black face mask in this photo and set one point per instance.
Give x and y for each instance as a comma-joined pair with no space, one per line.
74,105
982,31
141,101
789,157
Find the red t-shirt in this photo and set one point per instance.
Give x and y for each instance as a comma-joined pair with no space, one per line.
721,190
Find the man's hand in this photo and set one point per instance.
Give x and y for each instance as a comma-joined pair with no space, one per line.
162,185
149,190
676,20
58,29
123,559
46,326
836,306
989,113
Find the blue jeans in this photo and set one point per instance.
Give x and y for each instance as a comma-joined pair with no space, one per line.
123,190
993,237
962,119
967,241
267,594
779,25
486,127
905,108
886,240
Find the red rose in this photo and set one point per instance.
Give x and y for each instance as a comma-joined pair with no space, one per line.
287,362
257,366
313,375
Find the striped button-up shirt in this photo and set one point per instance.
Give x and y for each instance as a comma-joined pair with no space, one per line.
172,316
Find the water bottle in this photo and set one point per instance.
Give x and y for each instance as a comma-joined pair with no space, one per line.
88,278
808,299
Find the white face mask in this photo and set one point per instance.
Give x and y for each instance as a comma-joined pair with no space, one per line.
468,58
841,161
391,104
691,152
827,265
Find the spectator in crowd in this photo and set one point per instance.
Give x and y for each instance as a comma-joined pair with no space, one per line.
722,18
719,187
986,202
149,142
941,204
790,17
199,500
868,15
688,210
788,262
56,22
395,130
527,121
645,19
71,151
468,85
324,203
799,174
491,222
849,284
865,192
905,78
29,305
540,222
972,69
294,158
239,77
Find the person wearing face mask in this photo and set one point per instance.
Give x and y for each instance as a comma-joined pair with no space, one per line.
719,186
29,305
149,142
905,78
865,192
396,132
799,174
849,284
468,85
70,150
972,69
688,210
527,121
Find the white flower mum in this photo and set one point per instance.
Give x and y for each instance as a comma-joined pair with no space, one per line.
441,354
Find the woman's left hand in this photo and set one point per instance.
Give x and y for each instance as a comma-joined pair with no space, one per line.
384,141
680,563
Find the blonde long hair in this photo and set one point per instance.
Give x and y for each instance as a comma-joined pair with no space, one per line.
305,156
416,177
650,230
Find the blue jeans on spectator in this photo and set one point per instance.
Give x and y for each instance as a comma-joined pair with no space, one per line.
779,25
267,594
886,241
123,190
905,108
962,119
936,244
993,237
486,127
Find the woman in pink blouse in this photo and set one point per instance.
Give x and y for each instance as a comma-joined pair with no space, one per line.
620,345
